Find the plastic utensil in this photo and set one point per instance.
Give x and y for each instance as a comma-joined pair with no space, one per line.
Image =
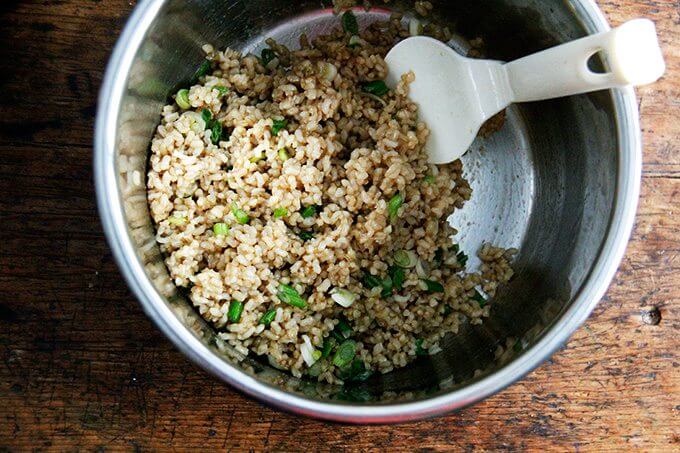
456,95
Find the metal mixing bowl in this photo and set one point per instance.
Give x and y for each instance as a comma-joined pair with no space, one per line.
560,182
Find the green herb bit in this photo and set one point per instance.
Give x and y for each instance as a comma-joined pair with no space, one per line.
462,258
283,154
354,41
397,275
479,299
420,351
235,310
376,87
393,206
177,220
386,287
221,89
354,372
201,71
447,310
344,328
429,179
278,125
308,212
267,56
216,132
328,345
240,215
345,353
206,114
371,281
405,258
349,23
290,296
455,248
257,157
268,317
438,257
433,287
182,99
317,368
221,229
280,212
306,235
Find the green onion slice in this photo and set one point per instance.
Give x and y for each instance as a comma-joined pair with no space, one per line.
433,287
220,229
235,310
268,317
393,206
278,125
376,87
349,23
280,212
345,353
405,258
287,294
240,215
182,99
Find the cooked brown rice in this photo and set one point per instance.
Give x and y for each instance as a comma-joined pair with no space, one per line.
349,155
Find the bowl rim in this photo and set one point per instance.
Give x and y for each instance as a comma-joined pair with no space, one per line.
115,227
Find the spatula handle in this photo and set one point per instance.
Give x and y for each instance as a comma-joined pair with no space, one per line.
631,52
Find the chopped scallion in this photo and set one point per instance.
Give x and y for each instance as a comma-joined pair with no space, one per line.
206,114
306,235
220,229
397,275
462,258
376,87
345,353
267,56
344,328
235,310
240,215
420,351
278,125
182,99
405,258
201,71
287,294
216,132
349,23
479,299
371,281
429,179
268,317
343,297
283,154
386,287
221,89
308,212
175,220
393,206
280,212
354,41
328,345
433,287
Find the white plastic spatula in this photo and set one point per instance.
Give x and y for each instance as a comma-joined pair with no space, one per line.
456,95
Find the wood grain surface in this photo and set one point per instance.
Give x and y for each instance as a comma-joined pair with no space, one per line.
83,368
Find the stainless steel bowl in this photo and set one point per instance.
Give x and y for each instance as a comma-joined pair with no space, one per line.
560,182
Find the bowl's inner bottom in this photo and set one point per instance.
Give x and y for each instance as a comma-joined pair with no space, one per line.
543,184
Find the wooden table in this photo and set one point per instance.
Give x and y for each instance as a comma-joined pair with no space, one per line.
82,366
